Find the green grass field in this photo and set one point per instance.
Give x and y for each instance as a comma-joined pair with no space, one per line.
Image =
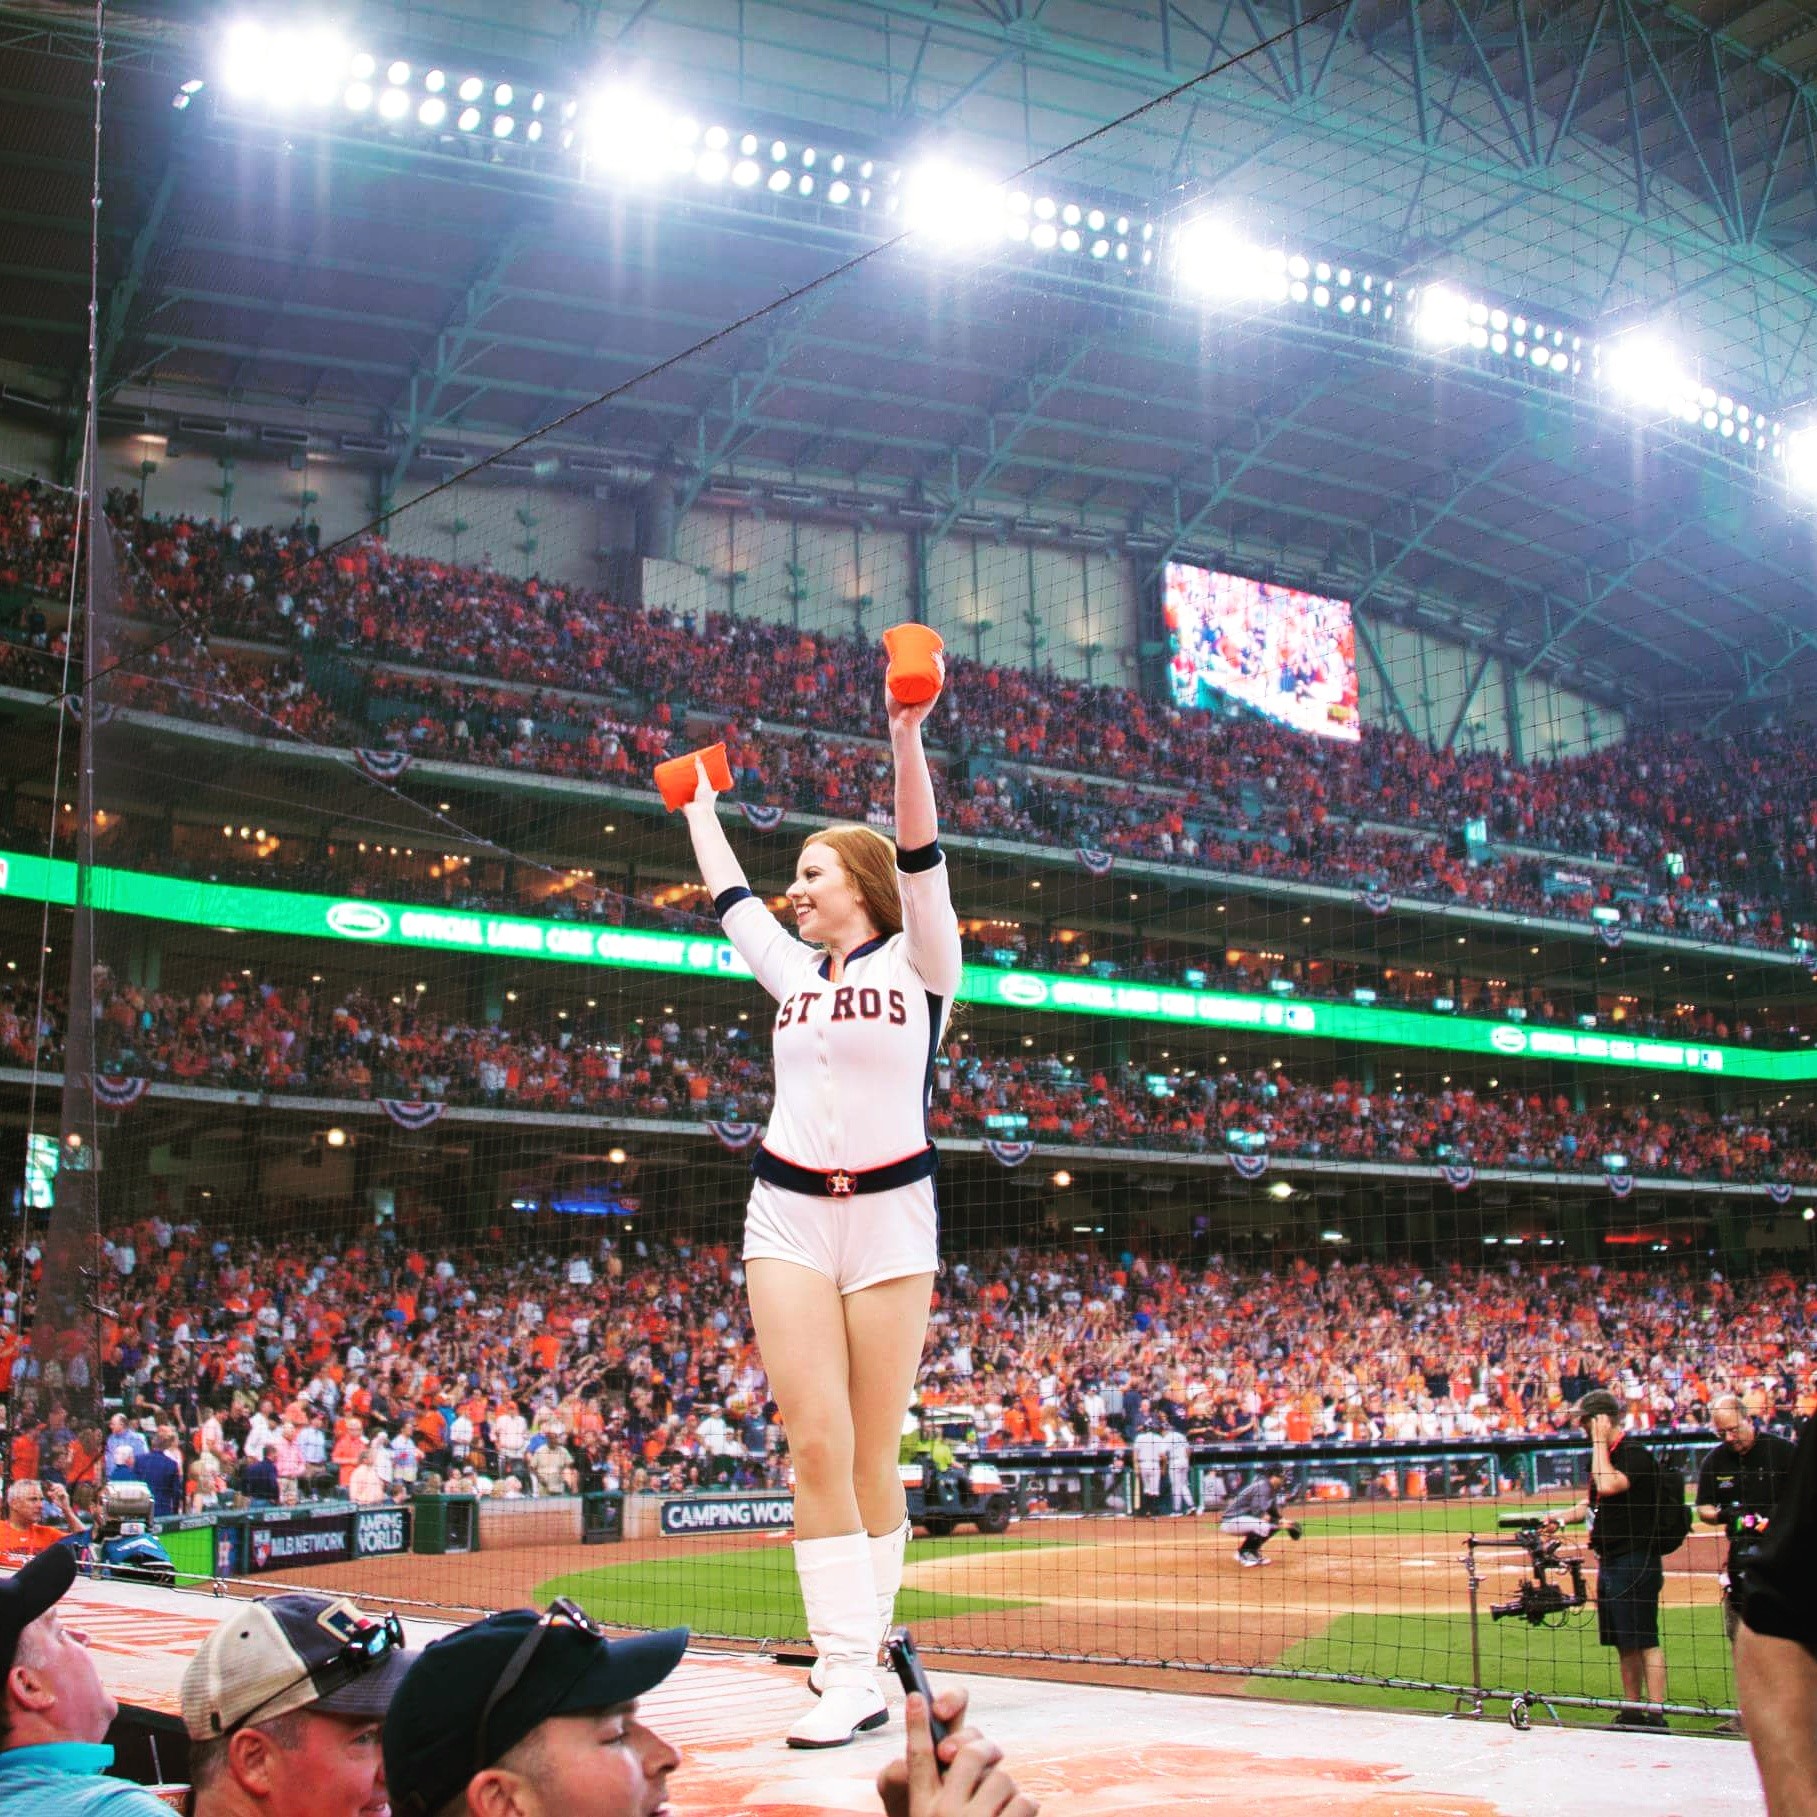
1566,1662
748,1592
751,1593
1423,1517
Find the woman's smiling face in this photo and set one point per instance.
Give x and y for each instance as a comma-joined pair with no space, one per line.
827,906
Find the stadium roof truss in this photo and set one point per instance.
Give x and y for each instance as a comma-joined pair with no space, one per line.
1612,160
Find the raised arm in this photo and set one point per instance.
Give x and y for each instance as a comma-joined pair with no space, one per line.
719,867
917,821
776,958
928,921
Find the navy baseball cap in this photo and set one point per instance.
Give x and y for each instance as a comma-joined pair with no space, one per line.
473,1695
33,1590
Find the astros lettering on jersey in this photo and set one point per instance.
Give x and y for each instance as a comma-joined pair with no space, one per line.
854,1060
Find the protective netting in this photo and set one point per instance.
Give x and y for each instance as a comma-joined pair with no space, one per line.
1368,1046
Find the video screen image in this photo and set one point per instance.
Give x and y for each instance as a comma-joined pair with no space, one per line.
1289,655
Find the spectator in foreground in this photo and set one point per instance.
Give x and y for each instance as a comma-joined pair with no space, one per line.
283,1703
54,1710
527,1715
1776,1644
523,1714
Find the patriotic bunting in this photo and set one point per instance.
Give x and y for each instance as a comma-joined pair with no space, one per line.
764,819
1459,1178
1611,937
104,709
1377,902
382,766
116,1093
1779,1191
736,1136
1098,863
408,1113
1621,1184
1250,1167
1009,1154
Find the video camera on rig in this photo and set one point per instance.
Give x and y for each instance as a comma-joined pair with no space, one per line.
1539,1595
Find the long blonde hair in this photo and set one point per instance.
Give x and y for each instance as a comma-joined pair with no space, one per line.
870,861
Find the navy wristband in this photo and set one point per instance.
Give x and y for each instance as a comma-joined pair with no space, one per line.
730,899
922,858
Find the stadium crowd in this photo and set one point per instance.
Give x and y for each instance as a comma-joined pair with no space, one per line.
1714,839
241,1035
512,1366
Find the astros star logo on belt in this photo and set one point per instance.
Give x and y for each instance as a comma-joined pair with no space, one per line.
841,1185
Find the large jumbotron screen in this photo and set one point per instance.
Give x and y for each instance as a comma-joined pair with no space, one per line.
1287,654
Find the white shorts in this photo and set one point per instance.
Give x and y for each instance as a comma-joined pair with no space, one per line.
855,1242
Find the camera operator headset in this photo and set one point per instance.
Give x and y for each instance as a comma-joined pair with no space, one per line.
1738,1486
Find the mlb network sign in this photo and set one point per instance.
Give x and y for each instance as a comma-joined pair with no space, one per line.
728,1514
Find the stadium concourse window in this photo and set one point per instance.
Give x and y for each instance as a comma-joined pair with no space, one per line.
1358,716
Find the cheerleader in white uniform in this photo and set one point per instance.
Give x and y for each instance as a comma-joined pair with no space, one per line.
840,1237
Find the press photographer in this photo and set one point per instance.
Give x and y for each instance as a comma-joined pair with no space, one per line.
1738,1487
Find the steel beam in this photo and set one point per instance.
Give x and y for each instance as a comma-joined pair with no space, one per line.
1304,395
1598,595
427,382
125,291
1461,488
1030,394
1365,638
741,424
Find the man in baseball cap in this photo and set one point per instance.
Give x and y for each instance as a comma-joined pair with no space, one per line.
528,1715
54,1710
283,1703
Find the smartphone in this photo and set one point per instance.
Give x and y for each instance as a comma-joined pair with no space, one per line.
912,1676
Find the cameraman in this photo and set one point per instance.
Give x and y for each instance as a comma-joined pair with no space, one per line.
1622,1508
1738,1487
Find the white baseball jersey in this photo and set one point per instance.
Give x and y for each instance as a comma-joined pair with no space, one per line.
1147,1453
854,1060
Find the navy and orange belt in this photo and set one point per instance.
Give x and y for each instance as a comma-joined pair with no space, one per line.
845,1183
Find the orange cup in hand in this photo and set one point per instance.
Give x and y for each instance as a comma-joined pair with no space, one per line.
676,781
914,673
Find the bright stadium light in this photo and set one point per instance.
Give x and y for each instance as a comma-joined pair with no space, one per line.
1644,369
1211,259
1801,461
954,208
394,104
284,68
628,135
1443,317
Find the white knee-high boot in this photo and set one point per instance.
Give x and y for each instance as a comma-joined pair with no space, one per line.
886,1571
840,1591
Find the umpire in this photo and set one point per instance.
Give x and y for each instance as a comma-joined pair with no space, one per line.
1623,1507
1738,1487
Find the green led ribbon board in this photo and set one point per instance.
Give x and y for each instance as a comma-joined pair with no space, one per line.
360,922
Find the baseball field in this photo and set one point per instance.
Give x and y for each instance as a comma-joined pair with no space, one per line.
1370,1607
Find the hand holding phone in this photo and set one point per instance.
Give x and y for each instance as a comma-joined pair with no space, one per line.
912,1676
